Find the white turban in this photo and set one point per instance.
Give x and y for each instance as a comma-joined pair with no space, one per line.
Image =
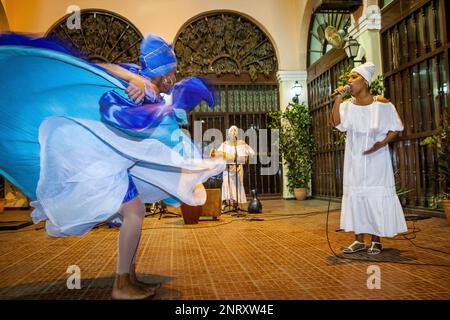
233,128
366,70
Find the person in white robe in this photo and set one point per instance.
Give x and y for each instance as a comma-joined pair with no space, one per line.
370,204
236,153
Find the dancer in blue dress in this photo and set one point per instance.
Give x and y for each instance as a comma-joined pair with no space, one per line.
88,142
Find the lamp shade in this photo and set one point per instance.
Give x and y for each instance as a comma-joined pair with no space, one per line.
351,48
296,89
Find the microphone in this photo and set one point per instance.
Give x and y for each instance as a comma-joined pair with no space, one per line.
346,89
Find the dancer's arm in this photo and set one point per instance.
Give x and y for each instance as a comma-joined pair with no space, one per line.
137,84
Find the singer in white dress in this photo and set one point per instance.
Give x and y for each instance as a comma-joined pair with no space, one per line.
233,177
370,204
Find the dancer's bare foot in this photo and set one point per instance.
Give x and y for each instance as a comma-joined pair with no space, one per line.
149,287
124,289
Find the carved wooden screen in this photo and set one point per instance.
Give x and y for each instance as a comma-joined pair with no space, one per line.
240,60
103,37
415,63
328,161
224,44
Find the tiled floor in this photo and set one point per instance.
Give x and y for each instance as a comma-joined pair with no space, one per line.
285,256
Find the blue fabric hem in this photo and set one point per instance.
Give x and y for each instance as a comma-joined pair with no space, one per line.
132,191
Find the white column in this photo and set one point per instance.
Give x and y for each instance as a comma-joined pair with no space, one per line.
286,80
367,32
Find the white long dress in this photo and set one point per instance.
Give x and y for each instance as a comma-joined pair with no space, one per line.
369,204
230,179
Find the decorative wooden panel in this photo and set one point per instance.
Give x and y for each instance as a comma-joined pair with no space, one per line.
329,157
415,62
103,37
225,43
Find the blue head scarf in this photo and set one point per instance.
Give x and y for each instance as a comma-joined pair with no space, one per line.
157,56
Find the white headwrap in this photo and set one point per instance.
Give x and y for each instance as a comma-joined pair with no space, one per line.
366,70
233,128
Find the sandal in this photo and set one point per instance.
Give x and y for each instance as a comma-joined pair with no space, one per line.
355,247
375,248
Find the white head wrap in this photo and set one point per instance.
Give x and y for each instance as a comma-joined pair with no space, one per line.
366,70
233,128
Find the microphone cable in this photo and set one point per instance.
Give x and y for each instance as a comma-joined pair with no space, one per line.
378,261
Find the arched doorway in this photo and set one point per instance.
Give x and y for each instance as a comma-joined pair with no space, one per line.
235,54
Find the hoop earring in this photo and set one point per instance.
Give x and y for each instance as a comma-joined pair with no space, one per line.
166,81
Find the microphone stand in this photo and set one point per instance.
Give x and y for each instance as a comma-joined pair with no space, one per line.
161,208
228,205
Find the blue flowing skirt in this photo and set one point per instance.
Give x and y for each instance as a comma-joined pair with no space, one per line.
74,157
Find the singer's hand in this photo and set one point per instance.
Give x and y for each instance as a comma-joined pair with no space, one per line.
340,91
213,153
338,98
375,147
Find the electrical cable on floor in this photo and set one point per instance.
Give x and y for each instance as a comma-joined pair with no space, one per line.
19,231
251,219
420,247
234,220
289,216
258,219
371,260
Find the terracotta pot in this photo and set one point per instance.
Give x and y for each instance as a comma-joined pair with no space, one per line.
446,206
300,193
2,205
191,214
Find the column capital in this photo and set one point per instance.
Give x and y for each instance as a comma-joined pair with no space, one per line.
369,20
291,75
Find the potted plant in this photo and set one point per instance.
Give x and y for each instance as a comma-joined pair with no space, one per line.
296,145
442,143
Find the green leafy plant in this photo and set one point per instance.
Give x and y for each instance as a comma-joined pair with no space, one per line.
296,143
343,80
400,191
442,144
377,86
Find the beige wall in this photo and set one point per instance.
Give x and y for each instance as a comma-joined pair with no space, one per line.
280,19
4,25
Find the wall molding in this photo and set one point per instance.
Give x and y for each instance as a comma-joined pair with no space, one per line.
291,75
